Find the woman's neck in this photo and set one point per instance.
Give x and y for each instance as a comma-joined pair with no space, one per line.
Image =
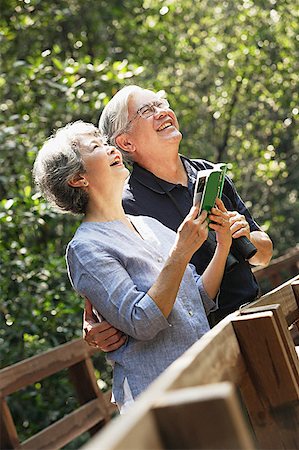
103,210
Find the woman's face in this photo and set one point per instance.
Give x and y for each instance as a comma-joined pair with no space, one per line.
103,163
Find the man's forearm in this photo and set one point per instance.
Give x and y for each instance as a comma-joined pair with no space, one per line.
264,248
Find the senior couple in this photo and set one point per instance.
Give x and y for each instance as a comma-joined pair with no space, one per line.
131,255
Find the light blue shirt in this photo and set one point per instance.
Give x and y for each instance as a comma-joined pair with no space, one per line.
114,267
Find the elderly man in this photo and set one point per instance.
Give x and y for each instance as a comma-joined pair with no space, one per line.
141,123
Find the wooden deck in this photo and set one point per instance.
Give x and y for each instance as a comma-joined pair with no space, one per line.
236,388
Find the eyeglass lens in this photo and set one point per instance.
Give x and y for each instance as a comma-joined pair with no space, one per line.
148,110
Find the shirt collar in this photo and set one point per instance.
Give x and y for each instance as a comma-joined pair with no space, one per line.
150,180
158,185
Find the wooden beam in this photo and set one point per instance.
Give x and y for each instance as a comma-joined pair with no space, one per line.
206,417
283,295
83,378
8,433
284,333
136,430
272,374
65,430
266,357
41,366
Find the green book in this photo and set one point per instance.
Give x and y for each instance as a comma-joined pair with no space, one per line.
209,186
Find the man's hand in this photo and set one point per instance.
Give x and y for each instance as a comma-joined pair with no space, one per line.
101,335
238,225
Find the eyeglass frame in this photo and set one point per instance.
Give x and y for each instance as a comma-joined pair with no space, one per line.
165,105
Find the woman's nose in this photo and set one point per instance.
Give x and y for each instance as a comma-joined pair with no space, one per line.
111,149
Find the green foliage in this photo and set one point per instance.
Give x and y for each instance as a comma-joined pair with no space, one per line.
230,70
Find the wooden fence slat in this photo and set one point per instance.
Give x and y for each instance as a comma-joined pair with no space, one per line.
137,431
41,366
207,417
224,355
266,357
83,378
283,295
284,333
66,429
272,374
8,434
225,362
279,269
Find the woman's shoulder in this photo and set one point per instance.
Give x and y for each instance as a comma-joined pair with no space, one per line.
91,235
152,224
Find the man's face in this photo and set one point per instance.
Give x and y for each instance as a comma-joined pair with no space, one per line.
155,134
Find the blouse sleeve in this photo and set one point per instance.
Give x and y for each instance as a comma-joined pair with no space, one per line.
107,284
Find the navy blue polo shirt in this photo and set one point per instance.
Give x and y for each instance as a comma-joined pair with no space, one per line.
147,195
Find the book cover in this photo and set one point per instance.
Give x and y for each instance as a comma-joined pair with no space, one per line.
209,186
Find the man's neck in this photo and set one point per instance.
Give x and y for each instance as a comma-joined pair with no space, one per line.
172,171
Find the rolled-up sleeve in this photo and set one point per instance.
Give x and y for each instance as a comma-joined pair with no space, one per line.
107,284
209,304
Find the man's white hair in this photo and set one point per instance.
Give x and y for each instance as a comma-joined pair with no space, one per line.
114,118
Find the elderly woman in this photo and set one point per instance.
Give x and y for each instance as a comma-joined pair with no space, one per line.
134,270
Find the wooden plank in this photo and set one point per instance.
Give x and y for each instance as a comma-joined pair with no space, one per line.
272,374
112,408
33,369
288,262
65,430
225,362
215,357
295,287
8,433
83,378
136,430
283,295
221,345
266,358
207,417
284,333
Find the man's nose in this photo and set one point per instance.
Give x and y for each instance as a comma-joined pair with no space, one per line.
160,112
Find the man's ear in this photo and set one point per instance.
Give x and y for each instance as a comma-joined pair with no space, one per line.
78,181
124,142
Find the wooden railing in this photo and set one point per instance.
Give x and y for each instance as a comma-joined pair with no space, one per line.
95,410
236,388
278,271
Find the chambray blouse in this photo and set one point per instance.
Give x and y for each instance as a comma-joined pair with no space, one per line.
114,267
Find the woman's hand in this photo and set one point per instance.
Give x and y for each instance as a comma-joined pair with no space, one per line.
191,234
220,223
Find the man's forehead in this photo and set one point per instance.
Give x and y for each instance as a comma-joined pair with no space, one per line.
142,97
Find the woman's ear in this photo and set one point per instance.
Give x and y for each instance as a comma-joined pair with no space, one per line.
78,181
124,142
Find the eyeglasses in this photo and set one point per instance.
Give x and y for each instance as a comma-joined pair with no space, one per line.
148,110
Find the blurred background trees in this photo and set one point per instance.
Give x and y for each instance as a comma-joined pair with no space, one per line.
230,70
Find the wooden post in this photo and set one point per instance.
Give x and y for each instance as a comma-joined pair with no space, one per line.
83,378
207,417
8,434
272,366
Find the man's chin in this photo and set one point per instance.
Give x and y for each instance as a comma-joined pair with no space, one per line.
172,134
